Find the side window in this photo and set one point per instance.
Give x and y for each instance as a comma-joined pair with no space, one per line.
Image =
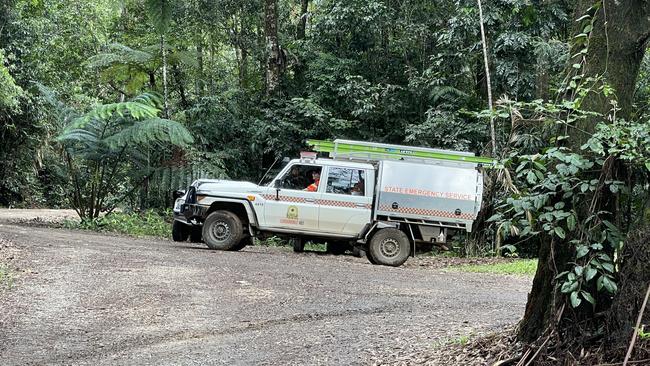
301,177
346,181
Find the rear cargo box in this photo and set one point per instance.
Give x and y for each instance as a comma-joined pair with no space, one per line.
446,193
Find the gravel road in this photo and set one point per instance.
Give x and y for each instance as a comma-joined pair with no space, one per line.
89,299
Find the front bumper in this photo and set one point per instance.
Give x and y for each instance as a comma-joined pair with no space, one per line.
193,213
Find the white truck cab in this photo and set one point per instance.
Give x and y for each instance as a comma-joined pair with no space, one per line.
384,199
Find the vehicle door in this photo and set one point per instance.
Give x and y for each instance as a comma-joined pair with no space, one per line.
345,205
291,202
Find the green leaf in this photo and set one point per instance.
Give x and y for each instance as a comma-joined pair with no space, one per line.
590,273
647,165
578,270
530,177
569,286
581,251
160,12
561,274
495,217
587,296
575,300
608,267
609,285
560,232
571,222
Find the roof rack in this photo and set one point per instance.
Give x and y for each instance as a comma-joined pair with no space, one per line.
360,150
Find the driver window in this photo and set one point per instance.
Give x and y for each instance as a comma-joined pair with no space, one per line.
301,177
346,181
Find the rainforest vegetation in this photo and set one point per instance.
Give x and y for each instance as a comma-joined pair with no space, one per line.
110,104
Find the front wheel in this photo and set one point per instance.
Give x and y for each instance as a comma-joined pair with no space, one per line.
222,230
390,247
180,231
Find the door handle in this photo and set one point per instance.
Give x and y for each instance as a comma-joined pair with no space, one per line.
310,200
362,205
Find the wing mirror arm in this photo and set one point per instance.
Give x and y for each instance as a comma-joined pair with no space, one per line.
277,184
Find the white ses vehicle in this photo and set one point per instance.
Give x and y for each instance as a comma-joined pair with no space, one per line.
383,199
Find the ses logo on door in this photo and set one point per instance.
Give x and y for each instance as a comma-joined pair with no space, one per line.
292,217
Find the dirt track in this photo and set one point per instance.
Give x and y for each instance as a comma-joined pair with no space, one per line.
90,299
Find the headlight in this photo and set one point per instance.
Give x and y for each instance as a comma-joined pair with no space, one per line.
177,204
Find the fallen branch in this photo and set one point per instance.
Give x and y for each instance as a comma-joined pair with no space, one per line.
538,351
636,328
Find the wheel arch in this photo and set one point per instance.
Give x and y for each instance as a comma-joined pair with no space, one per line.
237,207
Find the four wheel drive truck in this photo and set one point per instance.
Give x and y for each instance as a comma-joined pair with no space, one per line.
382,199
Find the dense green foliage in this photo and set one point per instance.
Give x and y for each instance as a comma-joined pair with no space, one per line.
148,223
116,103
371,70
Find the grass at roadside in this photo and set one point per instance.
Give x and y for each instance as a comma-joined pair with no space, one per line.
521,267
149,223
6,277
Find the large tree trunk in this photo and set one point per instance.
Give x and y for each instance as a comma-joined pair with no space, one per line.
300,69
302,22
273,60
616,48
163,49
200,82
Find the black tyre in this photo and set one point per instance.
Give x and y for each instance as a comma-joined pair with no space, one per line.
358,252
222,230
180,231
298,244
196,234
337,247
370,258
247,240
390,247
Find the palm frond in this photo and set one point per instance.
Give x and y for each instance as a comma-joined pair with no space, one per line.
152,131
137,110
62,112
160,12
78,135
119,54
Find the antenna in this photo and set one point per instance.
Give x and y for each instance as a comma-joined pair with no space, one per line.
268,170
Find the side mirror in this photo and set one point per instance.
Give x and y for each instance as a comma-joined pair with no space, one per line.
277,183
177,194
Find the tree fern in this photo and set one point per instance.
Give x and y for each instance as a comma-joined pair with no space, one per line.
119,54
160,12
108,148
151,132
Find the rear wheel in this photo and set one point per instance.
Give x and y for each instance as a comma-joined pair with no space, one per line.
336,247
180,231
298,244
390,247
222,230
247,240
358,252
196,234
